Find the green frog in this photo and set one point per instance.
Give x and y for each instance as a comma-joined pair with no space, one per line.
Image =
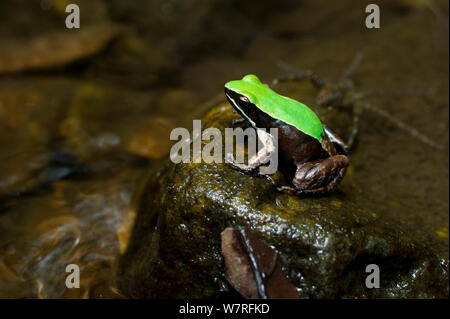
309,151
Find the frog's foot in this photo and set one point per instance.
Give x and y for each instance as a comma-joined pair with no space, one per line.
261,157
320,176
286,189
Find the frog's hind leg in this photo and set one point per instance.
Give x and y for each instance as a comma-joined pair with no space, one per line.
339,144
262,156
320,176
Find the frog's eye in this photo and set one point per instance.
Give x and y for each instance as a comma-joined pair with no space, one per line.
244,99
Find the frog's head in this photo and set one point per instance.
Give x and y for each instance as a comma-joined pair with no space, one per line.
243,95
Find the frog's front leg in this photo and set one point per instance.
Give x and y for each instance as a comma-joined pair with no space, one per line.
320,176
262,156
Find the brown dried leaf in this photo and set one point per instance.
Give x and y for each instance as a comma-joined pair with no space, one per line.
253,268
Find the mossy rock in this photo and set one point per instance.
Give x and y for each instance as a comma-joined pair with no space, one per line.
325,243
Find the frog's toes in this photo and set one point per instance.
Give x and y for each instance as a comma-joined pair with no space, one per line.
286,189
245,168
240,166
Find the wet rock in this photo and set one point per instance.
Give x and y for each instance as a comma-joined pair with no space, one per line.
86,222
29,116
180,102
55,49
129,59
51,128
325,243
177,28
28,19
103,118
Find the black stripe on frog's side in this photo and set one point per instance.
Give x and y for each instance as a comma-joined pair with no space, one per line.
235,100
252,113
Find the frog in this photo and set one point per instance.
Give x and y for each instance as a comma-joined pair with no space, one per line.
309,151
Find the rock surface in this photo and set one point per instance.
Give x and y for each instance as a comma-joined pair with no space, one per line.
325,243
55,49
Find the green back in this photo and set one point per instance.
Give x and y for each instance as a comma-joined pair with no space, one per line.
278,106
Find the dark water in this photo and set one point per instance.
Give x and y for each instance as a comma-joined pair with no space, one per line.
83,115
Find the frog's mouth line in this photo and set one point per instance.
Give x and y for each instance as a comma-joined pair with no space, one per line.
229,94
